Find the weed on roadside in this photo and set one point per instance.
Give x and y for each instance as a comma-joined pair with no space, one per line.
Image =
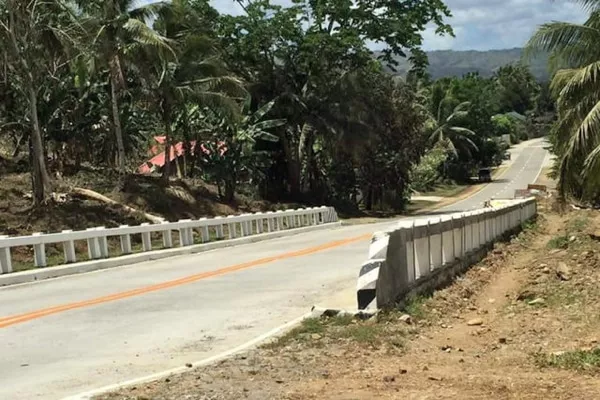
415,307
578,224
308,327
578,360
558,242
370,334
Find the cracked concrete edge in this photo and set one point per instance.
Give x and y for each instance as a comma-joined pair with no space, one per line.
201,363
95,265
316,312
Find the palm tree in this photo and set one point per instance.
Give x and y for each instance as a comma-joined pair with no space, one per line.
190,71
575,56
118,29
444,126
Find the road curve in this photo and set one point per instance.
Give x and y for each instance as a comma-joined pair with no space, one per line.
63,336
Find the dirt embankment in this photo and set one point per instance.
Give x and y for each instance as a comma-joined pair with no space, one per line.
181,199
522,324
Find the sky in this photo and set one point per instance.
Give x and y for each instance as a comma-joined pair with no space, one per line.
482,24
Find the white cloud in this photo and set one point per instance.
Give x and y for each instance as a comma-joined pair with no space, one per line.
481,24
496,24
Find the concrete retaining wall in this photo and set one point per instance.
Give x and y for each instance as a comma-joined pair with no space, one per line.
433,249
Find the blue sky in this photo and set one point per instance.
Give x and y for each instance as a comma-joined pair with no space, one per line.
482,24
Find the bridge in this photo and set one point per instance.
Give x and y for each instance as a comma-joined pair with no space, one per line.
72,334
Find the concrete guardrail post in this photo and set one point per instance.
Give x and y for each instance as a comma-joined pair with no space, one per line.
93,246
146,239
5,258
204,232
39,252
103,243
243,227
231,227
125,241
270,220
219,228
69,249
259,222
167,237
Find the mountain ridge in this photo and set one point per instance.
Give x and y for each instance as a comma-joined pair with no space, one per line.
449,63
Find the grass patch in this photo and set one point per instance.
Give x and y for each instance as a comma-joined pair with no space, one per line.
558,242
307,328
579,360
364,333
530,225
342,320
415,307
578,224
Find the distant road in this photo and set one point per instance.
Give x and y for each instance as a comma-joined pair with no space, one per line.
64,336
527,160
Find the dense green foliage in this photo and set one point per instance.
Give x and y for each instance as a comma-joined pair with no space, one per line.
282,101
576,85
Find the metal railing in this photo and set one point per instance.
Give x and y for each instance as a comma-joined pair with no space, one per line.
218,228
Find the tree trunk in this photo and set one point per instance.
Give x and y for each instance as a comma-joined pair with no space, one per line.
168,137
369,199
117,123
42,186
90,194
305,156
229,190
293,165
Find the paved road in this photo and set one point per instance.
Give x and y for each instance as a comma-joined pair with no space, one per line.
527,160
81,332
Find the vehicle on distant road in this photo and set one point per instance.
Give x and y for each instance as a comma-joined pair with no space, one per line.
485,175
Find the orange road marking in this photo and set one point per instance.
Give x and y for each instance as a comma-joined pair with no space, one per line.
17,319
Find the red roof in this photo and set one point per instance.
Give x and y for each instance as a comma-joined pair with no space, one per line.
177,150
159,159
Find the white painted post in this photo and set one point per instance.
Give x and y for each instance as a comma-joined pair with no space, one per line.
279,221
186,235
167,237
463,237
69,249
146,239
441,244
430,258
125,241
270,220
93,246
259,222
298,220
102,243
249,226
219,229
39,252
204,233
232,228
5,259
243,227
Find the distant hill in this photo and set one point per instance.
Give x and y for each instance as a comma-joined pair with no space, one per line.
444,63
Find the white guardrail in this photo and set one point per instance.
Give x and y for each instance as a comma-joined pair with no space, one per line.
412,251
97,238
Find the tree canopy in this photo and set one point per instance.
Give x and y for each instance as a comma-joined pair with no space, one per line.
288,102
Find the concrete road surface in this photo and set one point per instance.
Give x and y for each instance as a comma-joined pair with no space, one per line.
64,336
